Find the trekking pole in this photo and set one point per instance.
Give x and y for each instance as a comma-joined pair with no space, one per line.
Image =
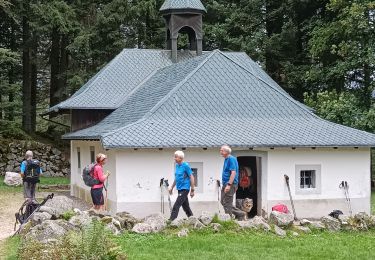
161,196
106,194
290,195
349,202
27,219
169,195
218,194
344,185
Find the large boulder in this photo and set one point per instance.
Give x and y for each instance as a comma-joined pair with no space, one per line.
39,217
126,220
81,220
360,221
206,217
60,204
194,223
49,230
12,179
224,217
332,224
317,225
178,222
247,224
142,228
52,211
157,222
305,222
279,231
303,229
216,227
260,222
281,219
111,221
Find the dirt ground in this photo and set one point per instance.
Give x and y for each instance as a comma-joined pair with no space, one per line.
10,203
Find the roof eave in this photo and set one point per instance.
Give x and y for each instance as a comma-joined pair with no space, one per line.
235,146
182,10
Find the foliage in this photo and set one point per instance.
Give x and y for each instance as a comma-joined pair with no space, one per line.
93,242
12,130
342,108
68,215
229,225
342,47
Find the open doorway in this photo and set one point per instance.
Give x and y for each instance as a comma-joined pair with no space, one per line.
247,188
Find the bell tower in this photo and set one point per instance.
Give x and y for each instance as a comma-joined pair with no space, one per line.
183,16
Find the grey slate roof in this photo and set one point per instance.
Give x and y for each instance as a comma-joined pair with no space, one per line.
112,84
182,4
214,99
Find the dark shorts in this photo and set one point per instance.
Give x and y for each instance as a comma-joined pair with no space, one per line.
97,196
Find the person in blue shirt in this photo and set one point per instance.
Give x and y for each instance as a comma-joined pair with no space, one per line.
184,182
29,182
229,179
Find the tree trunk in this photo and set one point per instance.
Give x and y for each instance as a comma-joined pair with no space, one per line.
274,23
26,77
62,92
366,99
34,82
55,67
12,73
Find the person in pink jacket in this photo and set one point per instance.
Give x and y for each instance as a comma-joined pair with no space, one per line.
97,190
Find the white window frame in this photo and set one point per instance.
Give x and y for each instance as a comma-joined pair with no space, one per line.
199,167
317,168
92,152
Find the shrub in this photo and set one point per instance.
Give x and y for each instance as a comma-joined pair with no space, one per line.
93,242
68,215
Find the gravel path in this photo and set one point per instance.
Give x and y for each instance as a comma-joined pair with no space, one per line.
10,202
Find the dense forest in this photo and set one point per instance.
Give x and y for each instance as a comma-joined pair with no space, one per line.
322,52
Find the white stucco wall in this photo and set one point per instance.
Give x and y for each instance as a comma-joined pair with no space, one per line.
134,183
343,164
140,171
76,172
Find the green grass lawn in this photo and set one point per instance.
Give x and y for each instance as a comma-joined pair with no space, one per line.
250,245
239,245
43,181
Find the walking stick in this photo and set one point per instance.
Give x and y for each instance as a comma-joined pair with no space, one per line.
344,185
106,194
218,194
169,195
290,195
161,195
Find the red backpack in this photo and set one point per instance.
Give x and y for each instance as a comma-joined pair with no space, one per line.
245,181
280,208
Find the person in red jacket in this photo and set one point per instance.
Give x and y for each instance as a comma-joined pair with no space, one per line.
97,190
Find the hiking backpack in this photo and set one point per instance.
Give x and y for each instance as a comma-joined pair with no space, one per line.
280,208
32,171
27,208
88,175
245,181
